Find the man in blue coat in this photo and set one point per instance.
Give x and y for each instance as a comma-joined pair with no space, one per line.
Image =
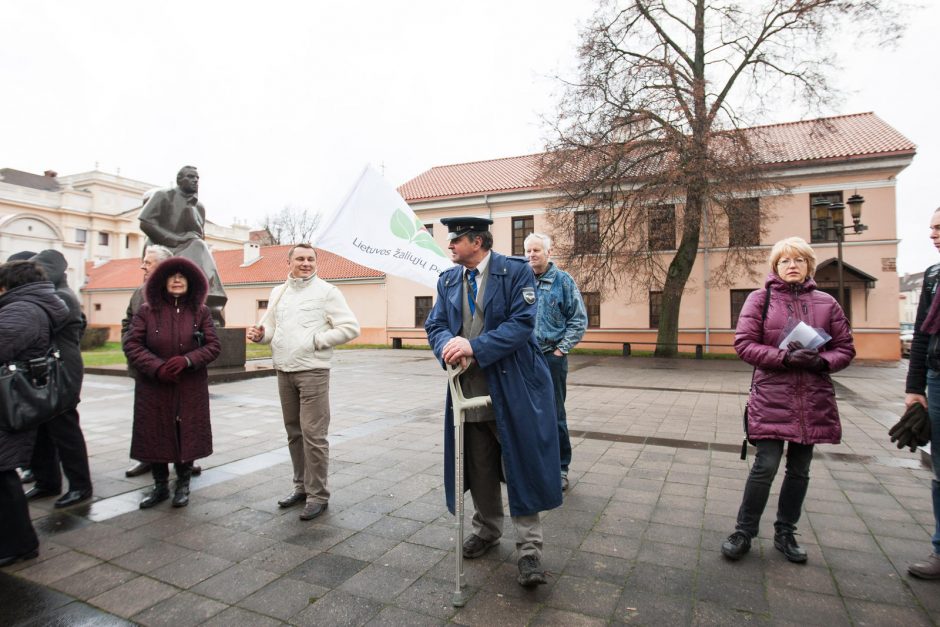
484,317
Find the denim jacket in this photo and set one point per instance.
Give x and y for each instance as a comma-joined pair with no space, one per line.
561,318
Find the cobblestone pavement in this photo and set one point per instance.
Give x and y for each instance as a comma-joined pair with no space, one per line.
655,485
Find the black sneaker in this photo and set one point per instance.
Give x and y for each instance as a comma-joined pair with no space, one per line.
786,544
530,571
475,546
736,546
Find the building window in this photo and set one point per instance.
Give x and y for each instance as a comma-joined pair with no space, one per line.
429,228
820,222
592,303
662,227
743,222
737,303
81,236
423,305
97,306
656,305
127,241
521,226
586,232
262,304
103,239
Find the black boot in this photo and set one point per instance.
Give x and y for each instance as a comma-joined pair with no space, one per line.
160,493
183,475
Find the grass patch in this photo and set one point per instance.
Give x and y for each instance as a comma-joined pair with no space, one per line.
108,355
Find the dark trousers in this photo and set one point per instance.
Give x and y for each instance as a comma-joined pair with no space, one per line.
60,441
161,472
792,492
17,535
558,367
933,410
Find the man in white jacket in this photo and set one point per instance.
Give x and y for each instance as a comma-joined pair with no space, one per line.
306,318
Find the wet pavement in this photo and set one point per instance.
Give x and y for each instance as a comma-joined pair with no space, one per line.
656,480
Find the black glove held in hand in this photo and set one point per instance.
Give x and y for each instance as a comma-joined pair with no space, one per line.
913,429
807,359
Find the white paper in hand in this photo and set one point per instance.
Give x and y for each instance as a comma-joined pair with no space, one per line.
805,335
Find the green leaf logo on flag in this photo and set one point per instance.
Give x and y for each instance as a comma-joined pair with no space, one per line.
403,227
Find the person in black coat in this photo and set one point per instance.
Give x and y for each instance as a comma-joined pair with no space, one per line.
61,441
29,311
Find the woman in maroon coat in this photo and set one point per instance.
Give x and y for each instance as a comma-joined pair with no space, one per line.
792,398
171,341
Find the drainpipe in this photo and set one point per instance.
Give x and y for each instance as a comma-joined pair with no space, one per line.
705,277
489,209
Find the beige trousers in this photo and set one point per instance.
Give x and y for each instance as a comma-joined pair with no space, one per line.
305,403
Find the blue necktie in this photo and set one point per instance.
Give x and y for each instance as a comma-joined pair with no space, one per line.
472,290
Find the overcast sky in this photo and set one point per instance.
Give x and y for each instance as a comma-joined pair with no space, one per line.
282,103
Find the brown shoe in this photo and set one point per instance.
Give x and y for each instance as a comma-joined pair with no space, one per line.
928,569
312,510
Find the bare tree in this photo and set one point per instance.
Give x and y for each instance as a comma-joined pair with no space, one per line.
652,138
291,225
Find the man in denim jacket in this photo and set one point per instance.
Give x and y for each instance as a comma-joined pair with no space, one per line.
559,325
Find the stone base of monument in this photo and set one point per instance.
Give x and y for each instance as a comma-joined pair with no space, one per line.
233,348
230,365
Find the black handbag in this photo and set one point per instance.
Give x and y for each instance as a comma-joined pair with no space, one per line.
35,391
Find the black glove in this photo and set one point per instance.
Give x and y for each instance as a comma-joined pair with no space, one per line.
805,358
913,429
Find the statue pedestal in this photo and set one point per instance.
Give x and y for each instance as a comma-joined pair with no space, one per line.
233,347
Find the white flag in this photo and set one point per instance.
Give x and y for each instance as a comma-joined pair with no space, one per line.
376,228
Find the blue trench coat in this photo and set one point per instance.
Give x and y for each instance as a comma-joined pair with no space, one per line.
518,379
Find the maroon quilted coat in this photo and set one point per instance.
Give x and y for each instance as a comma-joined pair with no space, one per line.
794,405
171,420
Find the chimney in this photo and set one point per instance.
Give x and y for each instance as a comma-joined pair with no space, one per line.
252,253
50,173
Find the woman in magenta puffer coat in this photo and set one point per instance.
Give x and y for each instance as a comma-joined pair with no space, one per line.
170,343
792,398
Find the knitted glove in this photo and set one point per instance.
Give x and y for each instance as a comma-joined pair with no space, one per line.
171,369
176,365
164,376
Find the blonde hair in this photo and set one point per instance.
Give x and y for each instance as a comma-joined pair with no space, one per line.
793,246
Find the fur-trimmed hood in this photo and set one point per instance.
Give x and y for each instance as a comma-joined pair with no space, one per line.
156,284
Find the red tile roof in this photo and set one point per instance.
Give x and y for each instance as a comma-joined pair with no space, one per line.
270,267
856,136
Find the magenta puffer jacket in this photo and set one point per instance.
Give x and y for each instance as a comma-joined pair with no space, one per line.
794,405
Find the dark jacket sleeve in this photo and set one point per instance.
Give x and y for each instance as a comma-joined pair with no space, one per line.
917,368
126,323
749,335
135,346
436,324
840,350
205,354
20,328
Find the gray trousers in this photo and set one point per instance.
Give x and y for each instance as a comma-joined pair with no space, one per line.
305,403
483,465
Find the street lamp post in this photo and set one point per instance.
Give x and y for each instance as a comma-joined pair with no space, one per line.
836,216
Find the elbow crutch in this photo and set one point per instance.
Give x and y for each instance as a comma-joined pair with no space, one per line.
460,404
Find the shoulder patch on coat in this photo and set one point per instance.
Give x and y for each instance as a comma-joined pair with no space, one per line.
528,295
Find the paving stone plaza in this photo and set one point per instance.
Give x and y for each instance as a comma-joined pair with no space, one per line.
656,481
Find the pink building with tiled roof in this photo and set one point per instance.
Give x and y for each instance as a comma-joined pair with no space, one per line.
832,158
